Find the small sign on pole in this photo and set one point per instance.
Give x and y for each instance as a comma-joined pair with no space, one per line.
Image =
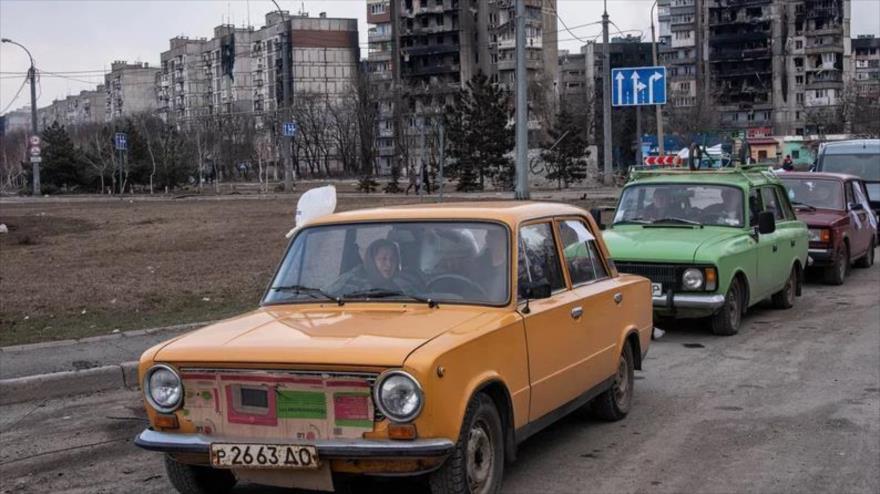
121,141
34,141
35,150
289,129
36,159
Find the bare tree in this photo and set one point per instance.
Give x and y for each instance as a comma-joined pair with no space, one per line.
13,151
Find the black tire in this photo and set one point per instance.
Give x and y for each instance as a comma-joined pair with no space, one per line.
482,437
728,319
867,260
613,404
836,273
191,479
784,299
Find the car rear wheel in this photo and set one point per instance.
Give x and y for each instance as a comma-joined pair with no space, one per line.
836,273
191,479
726,322
615,403
868,259
476,465
784,299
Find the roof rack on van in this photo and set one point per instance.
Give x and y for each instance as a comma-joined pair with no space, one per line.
764,170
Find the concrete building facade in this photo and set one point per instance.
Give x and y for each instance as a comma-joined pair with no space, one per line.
866,67
182,84
130,89
87,107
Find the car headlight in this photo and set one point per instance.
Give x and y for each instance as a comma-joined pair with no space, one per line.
692,279
822,235
163,388
398,396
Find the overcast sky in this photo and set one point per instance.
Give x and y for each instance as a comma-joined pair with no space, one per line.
74,35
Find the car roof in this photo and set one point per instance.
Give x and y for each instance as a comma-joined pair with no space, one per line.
739,176
819,175
855,146
509,212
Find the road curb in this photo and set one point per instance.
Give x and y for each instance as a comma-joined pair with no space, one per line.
58,384
105,337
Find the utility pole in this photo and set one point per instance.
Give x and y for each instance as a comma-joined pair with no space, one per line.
442,158
659,108
32,75
522,109
286,148
606,99
638,135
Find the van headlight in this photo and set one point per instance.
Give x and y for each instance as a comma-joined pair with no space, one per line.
163,388
692,279
398,396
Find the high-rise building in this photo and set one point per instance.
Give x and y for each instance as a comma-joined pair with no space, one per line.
130,89
423,52
182,86
681,49
866,67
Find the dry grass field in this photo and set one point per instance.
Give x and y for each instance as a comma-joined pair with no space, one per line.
88,267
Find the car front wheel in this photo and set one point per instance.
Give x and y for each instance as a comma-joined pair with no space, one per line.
726,321
191,479
476,465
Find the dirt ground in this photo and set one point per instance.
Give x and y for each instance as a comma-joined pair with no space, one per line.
81,267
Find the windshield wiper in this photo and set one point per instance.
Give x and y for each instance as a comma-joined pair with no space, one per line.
803,204
635,221
383,293
310,291
672,219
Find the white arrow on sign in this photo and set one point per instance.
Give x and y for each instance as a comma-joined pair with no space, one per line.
636,87
656,76
620,88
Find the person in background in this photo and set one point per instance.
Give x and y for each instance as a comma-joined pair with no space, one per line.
787,163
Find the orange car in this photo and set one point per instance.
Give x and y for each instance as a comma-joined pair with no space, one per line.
403,341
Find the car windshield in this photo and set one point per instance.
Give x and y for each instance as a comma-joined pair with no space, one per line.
826,194
865,166
688,204
455,262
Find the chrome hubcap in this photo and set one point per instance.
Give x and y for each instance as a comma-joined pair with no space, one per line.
480,459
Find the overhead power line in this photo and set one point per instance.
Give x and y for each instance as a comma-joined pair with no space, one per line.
17,94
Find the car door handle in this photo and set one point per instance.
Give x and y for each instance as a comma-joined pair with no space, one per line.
618,298
775,247
577,312
793,242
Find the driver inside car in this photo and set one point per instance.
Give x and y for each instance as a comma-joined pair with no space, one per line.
490,267
379,271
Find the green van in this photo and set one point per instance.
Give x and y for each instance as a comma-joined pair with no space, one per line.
713,242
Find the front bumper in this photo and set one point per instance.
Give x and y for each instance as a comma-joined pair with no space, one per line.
177,443
821,257
673,300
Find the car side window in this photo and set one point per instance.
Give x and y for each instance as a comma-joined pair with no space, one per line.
538,258
581,253
771,203
754,207
850,196
787,210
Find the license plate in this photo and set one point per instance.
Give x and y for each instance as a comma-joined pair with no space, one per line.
264,456
656,289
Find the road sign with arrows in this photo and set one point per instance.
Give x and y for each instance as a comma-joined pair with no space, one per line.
635,86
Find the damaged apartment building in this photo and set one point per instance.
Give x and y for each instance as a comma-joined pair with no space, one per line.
777,64
423,52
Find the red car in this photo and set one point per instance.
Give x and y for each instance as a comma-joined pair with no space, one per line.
842,226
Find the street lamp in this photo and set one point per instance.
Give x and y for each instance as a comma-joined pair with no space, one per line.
659,110
285,80
32,75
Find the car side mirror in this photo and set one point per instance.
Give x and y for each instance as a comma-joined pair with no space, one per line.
857,206
766,222
538,290
597,217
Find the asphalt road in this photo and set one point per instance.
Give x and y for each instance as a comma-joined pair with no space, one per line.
791,404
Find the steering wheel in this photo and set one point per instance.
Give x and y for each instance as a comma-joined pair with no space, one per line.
456,279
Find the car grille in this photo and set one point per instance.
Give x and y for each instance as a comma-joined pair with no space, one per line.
369,377
657,273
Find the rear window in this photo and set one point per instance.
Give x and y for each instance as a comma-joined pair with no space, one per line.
866,166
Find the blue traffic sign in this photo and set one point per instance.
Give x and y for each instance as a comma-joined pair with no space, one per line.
121,141
289,129
635,86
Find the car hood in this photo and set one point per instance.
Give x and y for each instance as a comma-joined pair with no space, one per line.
662,244
820,217
380,335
